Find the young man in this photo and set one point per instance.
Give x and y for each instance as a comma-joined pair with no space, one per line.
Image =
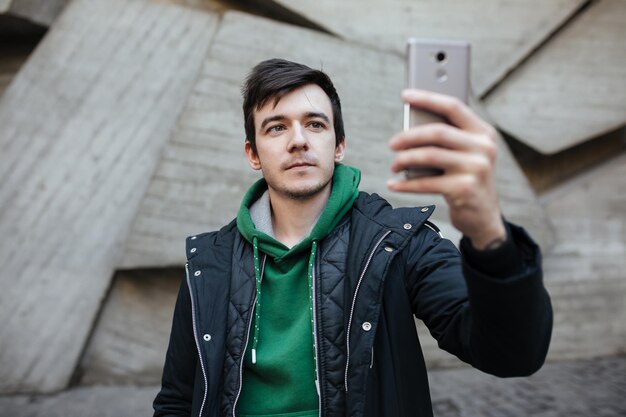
304,305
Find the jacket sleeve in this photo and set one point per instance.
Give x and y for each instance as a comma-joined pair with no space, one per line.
177,384
497,318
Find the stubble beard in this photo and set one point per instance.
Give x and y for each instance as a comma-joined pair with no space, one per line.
304,193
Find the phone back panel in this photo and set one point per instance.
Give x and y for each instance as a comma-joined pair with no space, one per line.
447,76
427,70
439,66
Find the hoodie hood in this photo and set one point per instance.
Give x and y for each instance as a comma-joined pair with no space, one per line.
343,194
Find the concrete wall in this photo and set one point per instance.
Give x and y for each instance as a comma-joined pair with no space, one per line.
122,134
82,127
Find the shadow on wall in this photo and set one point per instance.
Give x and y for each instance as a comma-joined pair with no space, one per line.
18,39
130,337
546,172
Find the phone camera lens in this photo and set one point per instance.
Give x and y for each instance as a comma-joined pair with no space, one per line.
441,56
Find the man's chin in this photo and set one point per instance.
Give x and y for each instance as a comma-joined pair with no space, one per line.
302,195
304,192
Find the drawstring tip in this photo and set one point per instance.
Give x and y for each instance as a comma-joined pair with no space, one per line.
254,357
317,385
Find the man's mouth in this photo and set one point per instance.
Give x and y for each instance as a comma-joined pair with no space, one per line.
298,164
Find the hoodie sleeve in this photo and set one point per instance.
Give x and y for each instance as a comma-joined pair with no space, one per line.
494,315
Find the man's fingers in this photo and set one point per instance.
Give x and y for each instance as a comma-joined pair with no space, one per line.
438,157
453,187
453,109
436,134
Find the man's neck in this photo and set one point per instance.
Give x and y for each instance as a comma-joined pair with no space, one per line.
293,219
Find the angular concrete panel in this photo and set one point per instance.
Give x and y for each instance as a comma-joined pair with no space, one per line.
585,271
81,131
501,32
203,173
571,90
130,339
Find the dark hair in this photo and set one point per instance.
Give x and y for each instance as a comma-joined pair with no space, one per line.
275,78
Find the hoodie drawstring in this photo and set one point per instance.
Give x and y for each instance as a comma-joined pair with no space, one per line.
311,301
257,306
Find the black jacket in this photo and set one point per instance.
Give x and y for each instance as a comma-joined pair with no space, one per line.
374,272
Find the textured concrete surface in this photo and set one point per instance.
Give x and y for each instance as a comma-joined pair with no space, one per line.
585,271
203,175
559,64
130,338
501,32
573,88
590,388
82,127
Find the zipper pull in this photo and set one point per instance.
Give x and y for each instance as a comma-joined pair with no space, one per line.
317,385
254,357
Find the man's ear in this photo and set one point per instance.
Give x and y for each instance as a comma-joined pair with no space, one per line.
251,155
340,150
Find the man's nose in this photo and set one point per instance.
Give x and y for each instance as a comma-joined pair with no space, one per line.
298,137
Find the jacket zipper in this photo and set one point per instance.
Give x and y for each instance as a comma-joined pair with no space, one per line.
317,359
195,337
356,292
245,345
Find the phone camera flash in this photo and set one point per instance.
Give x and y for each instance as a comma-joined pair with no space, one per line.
442,75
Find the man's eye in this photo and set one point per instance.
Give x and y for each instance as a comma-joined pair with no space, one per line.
316,125
275,129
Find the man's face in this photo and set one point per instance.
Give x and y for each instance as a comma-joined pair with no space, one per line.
295,143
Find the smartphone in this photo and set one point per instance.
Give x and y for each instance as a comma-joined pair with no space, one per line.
442,66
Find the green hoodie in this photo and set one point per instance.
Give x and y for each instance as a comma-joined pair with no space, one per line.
279,376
